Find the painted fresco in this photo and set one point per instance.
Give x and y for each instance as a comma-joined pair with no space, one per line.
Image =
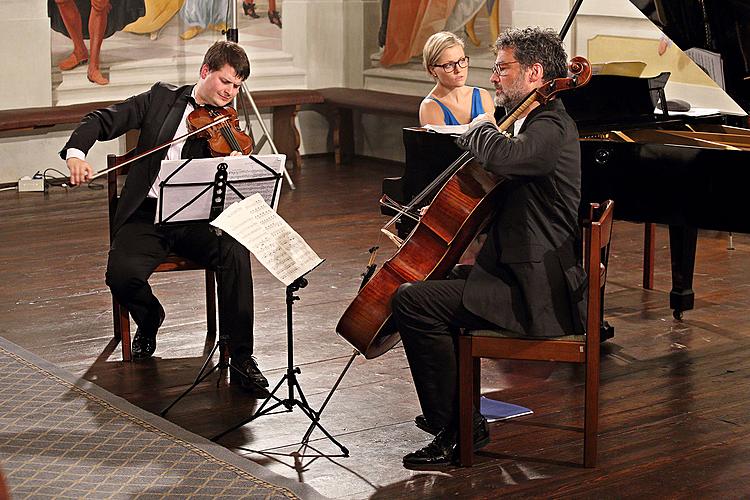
98,36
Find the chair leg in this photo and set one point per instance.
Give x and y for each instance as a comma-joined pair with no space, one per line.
591,410
465,406
477,380
122,328
116,319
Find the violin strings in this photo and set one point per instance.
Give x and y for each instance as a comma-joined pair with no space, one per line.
226,132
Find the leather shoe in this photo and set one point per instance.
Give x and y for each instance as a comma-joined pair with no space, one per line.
144,340
421,422
443,450
251,379
439,452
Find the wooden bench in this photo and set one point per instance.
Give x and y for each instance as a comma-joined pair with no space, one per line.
342,102
283,104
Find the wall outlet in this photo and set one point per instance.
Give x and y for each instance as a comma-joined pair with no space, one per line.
26,184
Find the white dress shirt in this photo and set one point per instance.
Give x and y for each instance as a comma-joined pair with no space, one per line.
173,153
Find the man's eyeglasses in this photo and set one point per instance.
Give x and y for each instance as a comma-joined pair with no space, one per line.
501,69
449,67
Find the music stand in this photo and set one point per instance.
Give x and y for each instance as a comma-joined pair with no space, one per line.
290,259
292,386
192,192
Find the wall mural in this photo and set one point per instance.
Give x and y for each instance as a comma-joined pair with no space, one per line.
407,25
93,20
143,29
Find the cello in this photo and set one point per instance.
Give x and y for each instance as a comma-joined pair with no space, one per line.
450,223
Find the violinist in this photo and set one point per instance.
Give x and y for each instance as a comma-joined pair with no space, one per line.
527,277
138,246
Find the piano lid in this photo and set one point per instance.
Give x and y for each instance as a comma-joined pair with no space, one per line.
718,26
625,38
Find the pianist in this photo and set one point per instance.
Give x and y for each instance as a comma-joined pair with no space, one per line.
451,101
527,277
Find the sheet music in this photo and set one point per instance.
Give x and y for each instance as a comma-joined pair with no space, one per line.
448,129
246,174
710,62
273,242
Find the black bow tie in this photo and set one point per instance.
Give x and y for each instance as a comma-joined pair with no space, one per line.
195,104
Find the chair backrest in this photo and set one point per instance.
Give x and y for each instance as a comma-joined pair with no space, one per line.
597,237
112,181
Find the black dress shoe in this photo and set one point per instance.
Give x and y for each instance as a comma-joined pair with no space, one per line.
422,424
443,449
143,345
250,379
438,452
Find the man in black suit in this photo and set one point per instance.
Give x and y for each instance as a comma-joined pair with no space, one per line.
527,277
138,246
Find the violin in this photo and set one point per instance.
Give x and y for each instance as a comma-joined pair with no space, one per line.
224,137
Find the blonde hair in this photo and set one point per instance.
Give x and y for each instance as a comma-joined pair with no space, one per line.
435,45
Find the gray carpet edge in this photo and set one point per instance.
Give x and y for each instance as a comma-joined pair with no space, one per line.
187,438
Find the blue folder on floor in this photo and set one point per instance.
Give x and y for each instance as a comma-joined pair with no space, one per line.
495,410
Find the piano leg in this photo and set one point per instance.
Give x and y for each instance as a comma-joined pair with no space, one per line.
649,235
682,242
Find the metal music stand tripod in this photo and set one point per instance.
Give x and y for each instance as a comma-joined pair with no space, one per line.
295,395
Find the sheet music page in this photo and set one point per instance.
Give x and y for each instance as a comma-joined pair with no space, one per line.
186,193
273,242
447,129
710,62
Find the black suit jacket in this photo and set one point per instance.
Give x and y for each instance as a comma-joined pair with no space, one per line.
156,113
527,276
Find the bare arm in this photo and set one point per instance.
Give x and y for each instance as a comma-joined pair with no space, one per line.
488,103
430,113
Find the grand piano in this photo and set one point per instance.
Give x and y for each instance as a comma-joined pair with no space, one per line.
687,172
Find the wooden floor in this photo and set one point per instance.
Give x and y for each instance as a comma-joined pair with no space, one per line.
675,395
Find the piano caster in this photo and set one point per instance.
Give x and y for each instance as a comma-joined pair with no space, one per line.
677,314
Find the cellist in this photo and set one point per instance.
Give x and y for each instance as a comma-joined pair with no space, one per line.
138,246
527,276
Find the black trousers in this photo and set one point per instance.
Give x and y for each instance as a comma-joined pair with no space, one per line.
429,316
139,247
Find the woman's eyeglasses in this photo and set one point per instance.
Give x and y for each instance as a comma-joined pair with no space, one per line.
449,67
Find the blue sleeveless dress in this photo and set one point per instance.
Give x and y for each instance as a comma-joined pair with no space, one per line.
476,108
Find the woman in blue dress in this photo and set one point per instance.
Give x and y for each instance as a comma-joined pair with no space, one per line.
451,101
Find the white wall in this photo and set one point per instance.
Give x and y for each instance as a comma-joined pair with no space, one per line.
331,39
25,62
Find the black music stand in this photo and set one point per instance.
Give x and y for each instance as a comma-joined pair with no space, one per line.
295,395
195,191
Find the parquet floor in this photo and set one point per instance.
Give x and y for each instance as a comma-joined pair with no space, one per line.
674,401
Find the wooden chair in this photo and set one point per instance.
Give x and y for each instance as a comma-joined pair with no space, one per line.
172,263
584,349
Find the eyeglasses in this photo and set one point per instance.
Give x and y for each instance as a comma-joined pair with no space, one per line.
501,69
449,67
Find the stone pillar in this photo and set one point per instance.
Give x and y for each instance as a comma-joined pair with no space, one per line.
25,62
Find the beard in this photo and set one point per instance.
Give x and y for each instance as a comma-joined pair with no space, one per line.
512,94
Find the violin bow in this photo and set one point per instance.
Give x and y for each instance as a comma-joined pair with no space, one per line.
157,148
